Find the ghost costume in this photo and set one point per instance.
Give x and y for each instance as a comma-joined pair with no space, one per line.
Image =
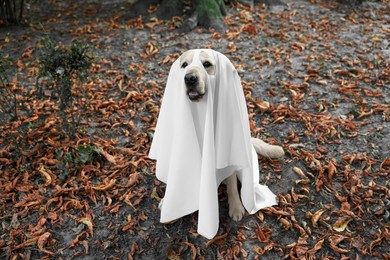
199,144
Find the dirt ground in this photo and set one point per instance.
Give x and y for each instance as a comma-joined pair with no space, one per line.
317,81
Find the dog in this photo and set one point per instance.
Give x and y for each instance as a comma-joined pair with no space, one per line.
196,88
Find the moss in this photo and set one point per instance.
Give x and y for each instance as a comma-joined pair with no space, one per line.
210,13
207,9
207,13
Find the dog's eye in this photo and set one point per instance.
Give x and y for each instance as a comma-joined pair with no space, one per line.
185,64
207,64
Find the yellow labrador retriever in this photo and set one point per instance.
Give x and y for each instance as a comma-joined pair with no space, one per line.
196,88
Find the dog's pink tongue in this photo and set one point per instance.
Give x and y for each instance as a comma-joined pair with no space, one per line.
193,94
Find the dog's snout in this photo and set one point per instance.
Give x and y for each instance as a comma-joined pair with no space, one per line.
191,79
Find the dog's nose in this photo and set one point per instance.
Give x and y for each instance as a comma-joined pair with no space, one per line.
190,79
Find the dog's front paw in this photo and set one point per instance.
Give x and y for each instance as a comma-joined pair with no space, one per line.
236,210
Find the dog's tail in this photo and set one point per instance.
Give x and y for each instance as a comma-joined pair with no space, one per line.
267,150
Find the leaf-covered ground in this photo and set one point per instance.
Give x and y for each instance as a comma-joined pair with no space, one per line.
316,78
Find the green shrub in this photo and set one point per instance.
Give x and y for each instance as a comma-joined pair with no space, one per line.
76,158
66,67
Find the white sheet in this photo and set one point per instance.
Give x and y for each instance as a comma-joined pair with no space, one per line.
199,144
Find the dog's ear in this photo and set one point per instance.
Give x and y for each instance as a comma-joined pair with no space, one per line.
186,58
208,61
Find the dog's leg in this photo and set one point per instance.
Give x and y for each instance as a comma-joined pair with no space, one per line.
236,210
267,150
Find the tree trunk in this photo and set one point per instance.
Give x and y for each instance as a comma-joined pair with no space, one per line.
11,11
205,13
170,8
209,13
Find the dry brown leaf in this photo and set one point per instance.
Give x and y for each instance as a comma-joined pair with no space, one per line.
77,239
263,106
258,250
260,216
331,170
154,194
279,119
273,211
322,149
216,239
338,249
302,181
319,183
286,223
301,247
29,200
300,229
193,249
108,156
341,224
334,240
41,242
385,163
29,242
134,177
88,223
262,235
4,161
139,199
316,216
374,243
86,246
294,195
45,174
339,197
316,247
105,186
115,208
299,172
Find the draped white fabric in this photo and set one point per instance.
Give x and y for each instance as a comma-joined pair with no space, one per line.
199,144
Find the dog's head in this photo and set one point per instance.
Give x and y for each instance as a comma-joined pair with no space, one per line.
197,68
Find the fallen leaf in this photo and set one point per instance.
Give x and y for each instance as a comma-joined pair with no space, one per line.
301,247
29,242
331,170
300,229
316,247
216,239
258,250
286,224
263,106
385,163
88,223
299,172
41,242
273,211
341,224
154,194
316,216
334,240
338,249
45,174
106,186
262,235
193,249
108,156
384,235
